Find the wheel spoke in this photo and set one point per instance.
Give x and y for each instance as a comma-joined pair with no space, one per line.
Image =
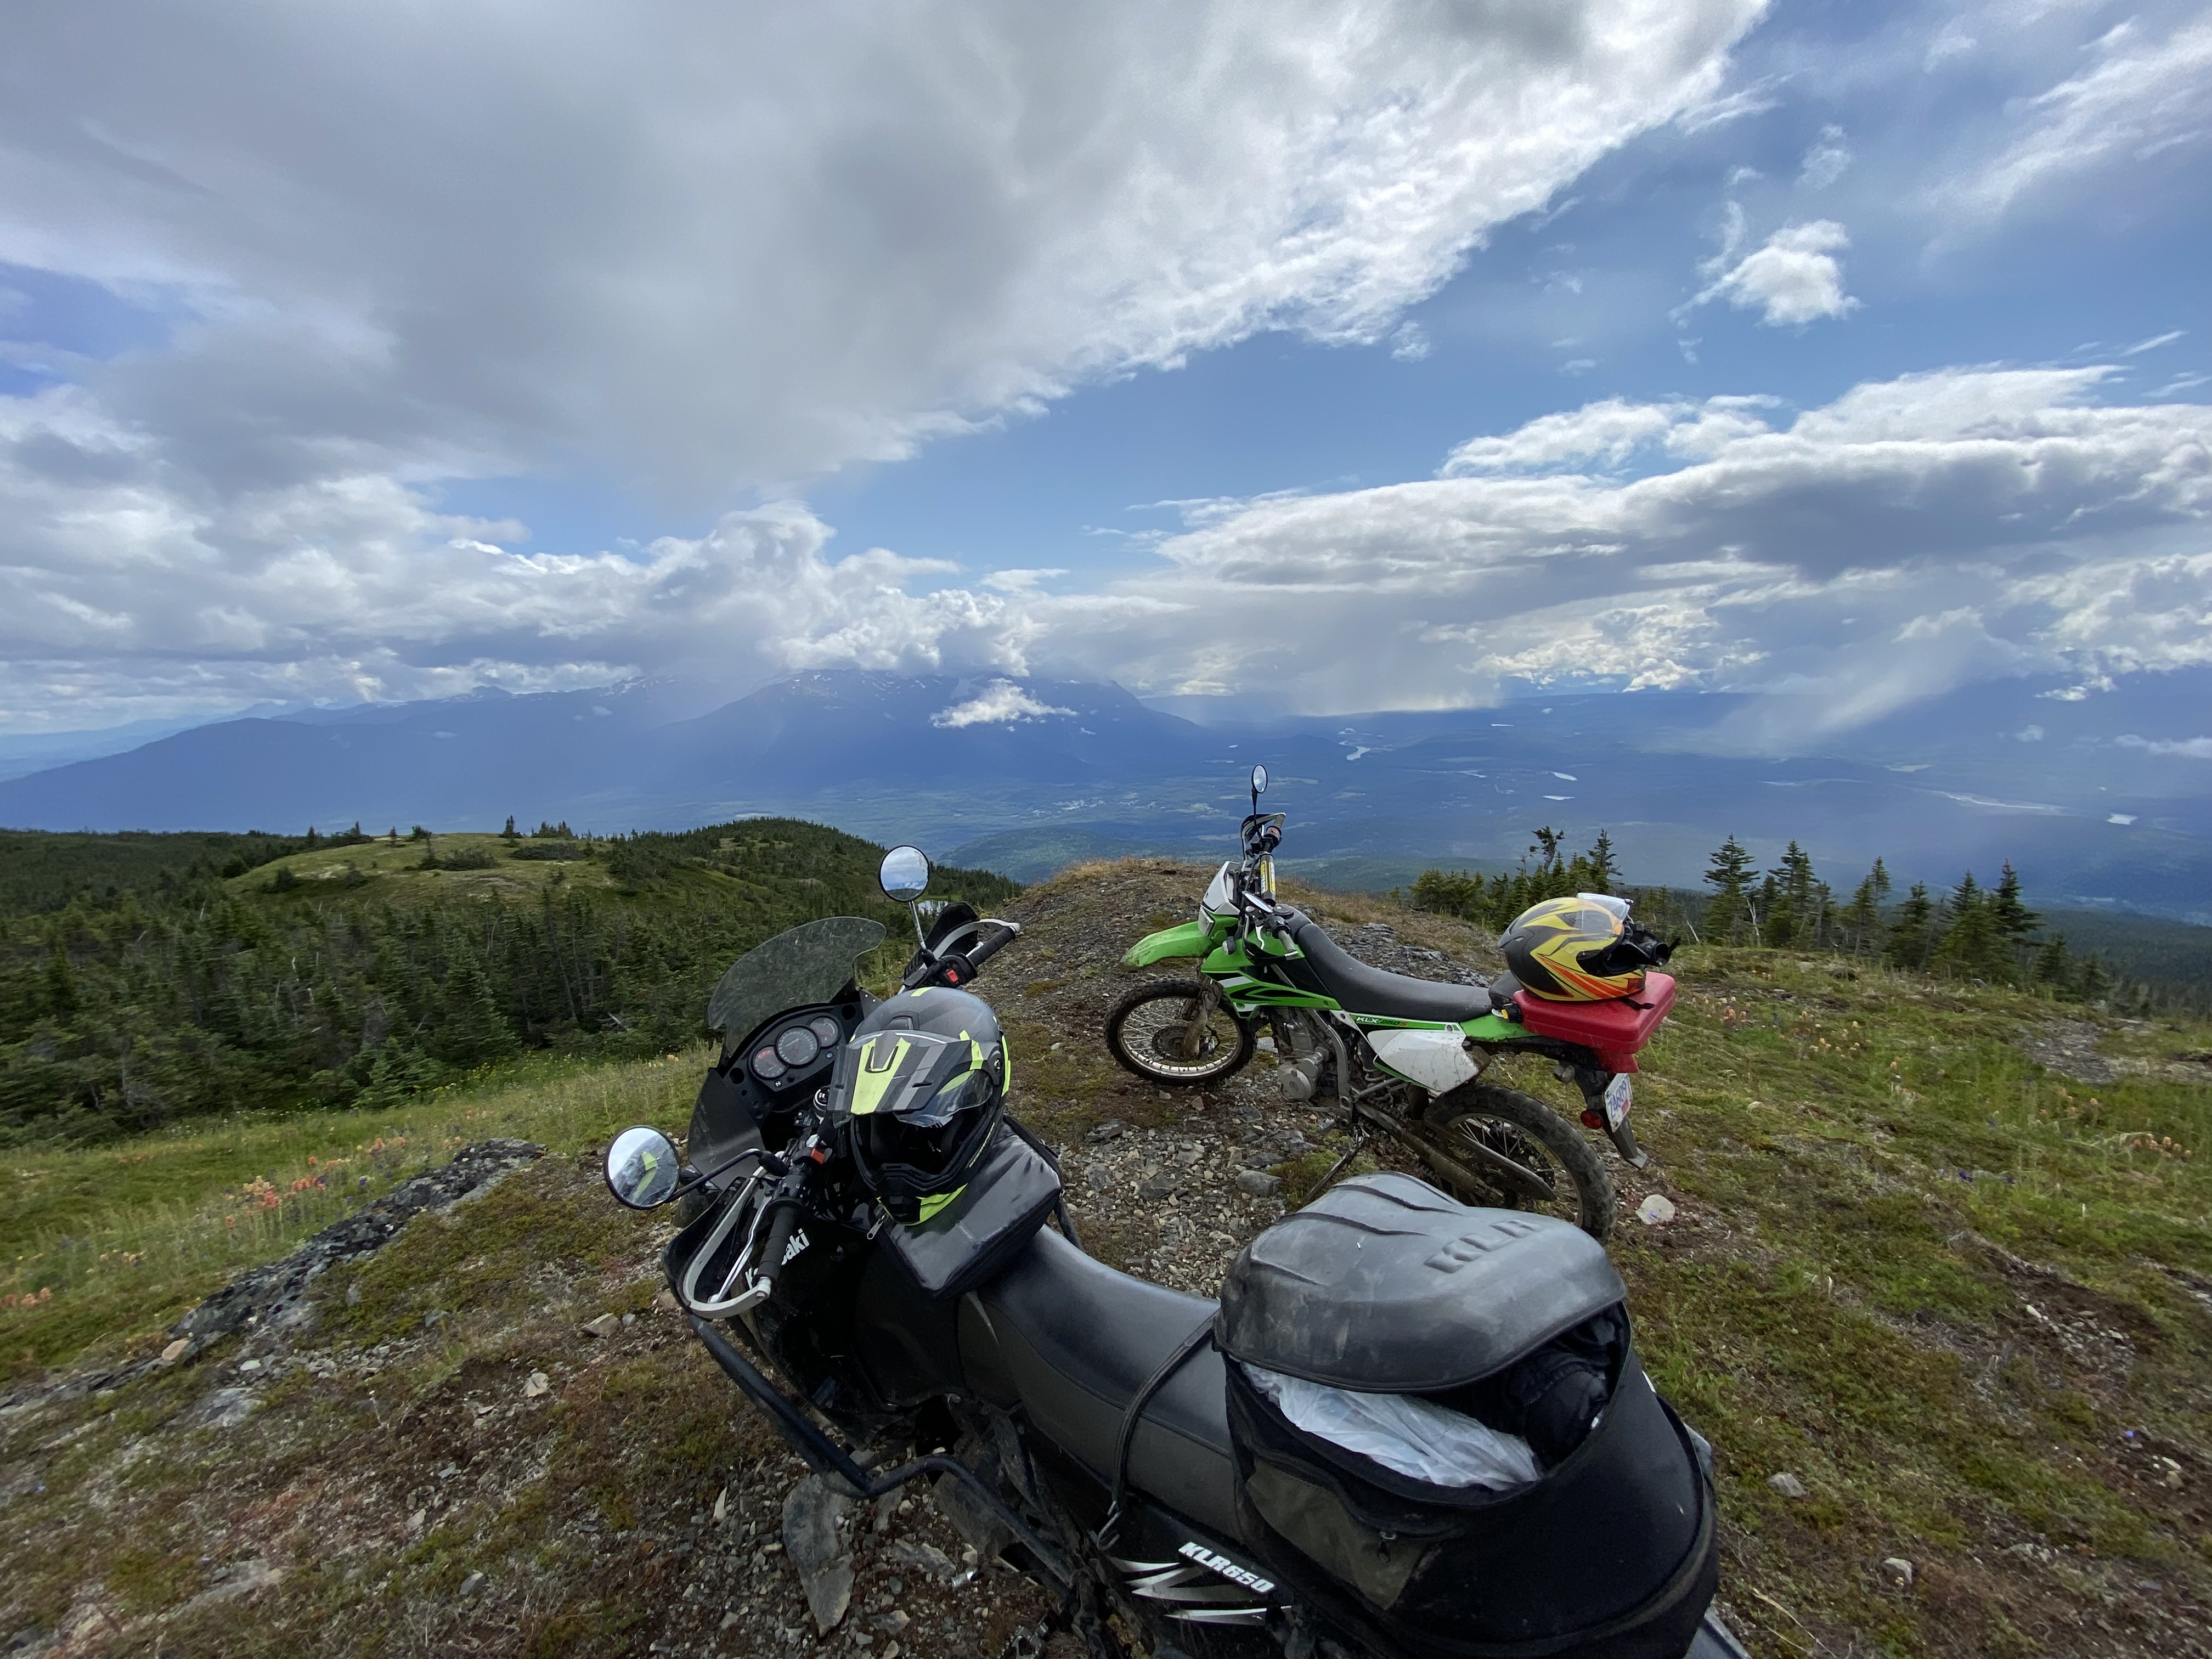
1507,1142
1565,1176
1176,1037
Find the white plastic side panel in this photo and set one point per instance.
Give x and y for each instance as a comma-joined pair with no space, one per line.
1217,901
1438,1060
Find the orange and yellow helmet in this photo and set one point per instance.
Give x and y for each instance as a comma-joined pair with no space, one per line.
1583,949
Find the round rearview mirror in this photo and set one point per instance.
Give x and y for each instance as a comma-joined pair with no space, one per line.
642,1168
1259,780
905,874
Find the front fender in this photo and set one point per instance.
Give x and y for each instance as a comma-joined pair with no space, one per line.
1187,940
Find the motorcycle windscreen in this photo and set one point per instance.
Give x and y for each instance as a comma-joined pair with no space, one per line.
809,963
722,1126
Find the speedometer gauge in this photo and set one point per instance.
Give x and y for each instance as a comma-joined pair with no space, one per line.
796,1046
766,1065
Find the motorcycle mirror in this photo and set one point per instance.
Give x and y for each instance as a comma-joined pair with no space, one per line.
905,874
642,1168
1259,780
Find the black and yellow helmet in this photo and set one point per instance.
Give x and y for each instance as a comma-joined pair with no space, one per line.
1583,949
923,1084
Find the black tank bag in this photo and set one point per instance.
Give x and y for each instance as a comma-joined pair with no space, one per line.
977,1235
1386,1286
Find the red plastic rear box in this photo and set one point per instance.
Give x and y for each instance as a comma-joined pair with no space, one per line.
1616,1029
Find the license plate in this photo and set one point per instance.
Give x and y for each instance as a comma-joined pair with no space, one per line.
1618,1095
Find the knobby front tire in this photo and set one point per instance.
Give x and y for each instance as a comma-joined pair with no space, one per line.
1144,1031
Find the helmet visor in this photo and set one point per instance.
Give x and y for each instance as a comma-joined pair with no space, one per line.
920,1078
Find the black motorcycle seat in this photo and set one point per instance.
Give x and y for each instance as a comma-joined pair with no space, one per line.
1071,1341
1365,990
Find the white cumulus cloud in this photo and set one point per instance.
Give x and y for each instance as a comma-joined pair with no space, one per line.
1791,280
735,246
1909,536
1000,703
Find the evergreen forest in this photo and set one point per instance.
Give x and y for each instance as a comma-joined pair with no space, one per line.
1985,934
146,978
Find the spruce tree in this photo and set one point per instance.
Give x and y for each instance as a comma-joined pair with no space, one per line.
1765,907
2015,923
1728,913
59,990
1964,896
398,1072
1603,871
1972,948
1912,936
2052,967
1796,910
473,1030
2092,980
1860,921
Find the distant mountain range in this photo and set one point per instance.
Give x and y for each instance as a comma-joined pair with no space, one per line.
2105,800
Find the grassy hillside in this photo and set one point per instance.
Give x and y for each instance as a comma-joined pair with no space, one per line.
1942,1256
361,972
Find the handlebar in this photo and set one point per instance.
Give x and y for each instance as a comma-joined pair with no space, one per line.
1008,933
783,1223
957,968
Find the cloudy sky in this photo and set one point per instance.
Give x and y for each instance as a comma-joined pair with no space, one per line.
1355,356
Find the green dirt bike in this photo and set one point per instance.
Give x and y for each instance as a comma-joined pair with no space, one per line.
1403,1057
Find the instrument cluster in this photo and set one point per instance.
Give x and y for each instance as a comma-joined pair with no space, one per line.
779,1056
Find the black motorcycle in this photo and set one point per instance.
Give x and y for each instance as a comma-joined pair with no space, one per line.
1410,1429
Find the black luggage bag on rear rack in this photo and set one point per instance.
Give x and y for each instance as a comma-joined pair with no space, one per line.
1385,1287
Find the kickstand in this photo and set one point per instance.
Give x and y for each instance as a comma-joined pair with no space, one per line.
1358,1140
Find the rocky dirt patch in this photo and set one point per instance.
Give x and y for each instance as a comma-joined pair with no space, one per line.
2068,1047
276,1296
2077,1048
